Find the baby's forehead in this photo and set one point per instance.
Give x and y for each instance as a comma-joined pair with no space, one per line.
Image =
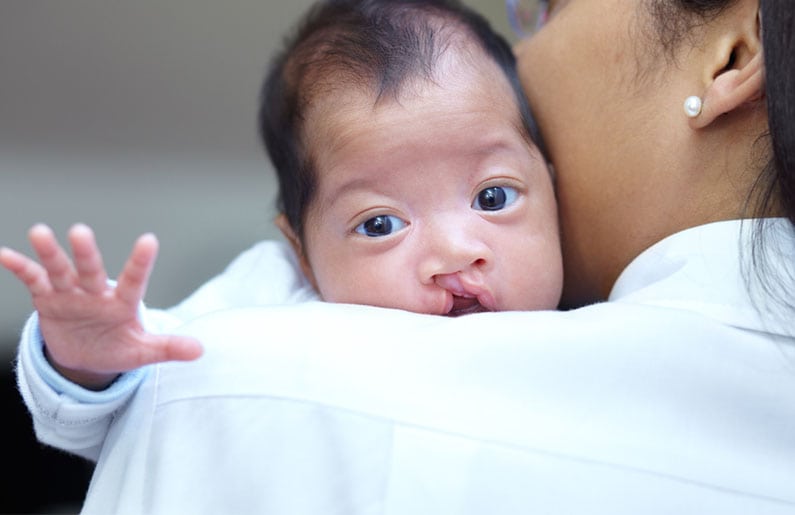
355,118
463,65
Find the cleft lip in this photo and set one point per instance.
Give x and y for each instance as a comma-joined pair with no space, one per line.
466,293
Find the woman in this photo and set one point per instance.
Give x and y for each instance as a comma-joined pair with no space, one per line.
632,168
676,395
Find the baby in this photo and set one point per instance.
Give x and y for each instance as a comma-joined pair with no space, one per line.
408,179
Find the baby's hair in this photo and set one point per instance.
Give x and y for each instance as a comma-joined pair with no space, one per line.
375,45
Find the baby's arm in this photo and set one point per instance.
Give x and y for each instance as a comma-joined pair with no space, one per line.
91,329
76,420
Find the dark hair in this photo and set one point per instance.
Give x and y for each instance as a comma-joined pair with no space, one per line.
777,182
778,36
774,189
375,44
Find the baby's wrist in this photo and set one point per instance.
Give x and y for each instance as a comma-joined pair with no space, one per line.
89,380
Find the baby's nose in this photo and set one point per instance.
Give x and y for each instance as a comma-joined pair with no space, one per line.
451,246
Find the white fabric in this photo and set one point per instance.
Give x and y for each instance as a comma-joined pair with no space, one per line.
675,397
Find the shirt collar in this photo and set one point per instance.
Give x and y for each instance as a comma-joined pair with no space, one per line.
707,269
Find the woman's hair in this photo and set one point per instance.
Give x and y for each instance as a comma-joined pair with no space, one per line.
778,40
774,188
347,45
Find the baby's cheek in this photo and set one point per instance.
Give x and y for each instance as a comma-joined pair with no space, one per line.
328,285
349,285
543,281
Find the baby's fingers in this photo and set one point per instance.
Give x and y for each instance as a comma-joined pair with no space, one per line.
55,261
91,273
32,274
134,276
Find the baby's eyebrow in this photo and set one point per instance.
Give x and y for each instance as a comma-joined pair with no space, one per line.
351,186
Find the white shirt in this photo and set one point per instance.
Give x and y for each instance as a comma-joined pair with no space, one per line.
677,396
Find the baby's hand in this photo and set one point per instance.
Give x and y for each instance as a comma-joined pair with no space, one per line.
91,329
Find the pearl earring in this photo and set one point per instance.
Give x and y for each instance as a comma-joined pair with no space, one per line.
693,106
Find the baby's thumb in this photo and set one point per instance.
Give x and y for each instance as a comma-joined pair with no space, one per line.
175,348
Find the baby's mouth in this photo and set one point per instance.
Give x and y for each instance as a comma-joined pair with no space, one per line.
465,306
466,294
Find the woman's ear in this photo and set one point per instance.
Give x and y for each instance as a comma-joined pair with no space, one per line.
739,72
295,242
731,90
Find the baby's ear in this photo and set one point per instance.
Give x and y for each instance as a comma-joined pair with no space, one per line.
295,242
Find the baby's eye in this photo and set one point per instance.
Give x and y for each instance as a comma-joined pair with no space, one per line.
381,225
495,198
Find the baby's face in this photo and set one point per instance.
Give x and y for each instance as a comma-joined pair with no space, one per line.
434,203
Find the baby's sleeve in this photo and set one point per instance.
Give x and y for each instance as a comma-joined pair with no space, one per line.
65,415
267,274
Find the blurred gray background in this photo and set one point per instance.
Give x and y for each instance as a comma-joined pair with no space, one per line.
139,116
